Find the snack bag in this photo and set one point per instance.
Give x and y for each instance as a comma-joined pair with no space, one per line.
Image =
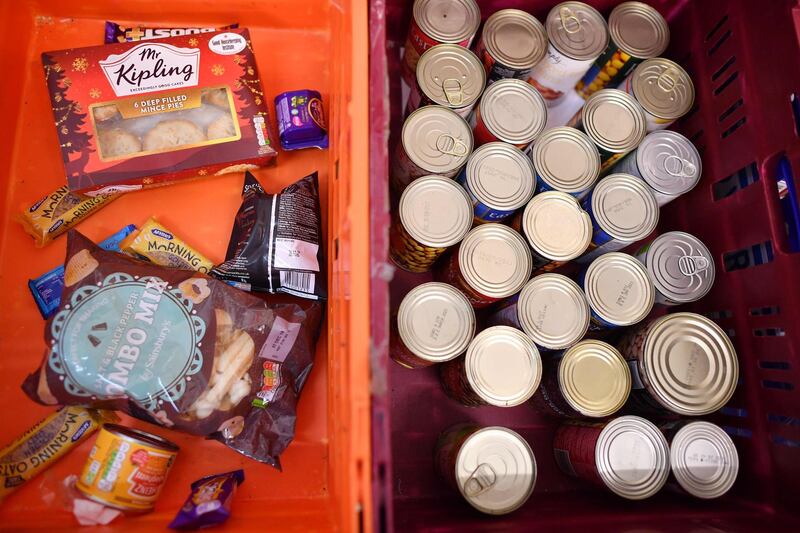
209,504
178,349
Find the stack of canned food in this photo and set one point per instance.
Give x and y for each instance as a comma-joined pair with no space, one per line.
495,206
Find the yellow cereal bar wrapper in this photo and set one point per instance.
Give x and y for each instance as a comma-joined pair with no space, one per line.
57,212
158,245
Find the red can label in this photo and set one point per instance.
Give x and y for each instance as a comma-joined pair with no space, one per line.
548,399
480,132
400,353
451,273
495,70
447,448
456,384
416,44
574,449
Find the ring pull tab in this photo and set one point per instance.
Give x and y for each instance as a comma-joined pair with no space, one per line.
569,21
482,479
453,91
692,265
667,80
679,167
447,144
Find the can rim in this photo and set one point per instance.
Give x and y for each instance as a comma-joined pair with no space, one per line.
655,261
474,276
473,20
656,100
497,126
528,316
459,95
591,112
585,146
656,177
718,445
459,144
638,190
572,382
555,18
138,435
569,226
657,42
494,25
481,187
636,310
457,195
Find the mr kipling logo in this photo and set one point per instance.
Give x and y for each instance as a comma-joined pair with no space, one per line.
151,67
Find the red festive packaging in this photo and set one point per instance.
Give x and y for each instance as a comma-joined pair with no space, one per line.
141,114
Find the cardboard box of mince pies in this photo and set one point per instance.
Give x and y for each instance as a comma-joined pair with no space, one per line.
139,114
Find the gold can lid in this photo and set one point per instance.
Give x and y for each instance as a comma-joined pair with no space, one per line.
690,364
624,207
450,75
669,162
704,460
436,211
594,378
436,322
447,21
577,30
632,457
515,38
496,470
619,289
513,111
614,120
663,88
503,366
495,260
638,30
556,226
500,176
566,159
553,311
437,139
681,266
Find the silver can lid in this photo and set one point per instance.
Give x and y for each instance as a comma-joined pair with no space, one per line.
566,159
638,30
436,322
663,88
437,139
515,38
513,111
447,21
577,30
619,289
495,470
594,378
450,75
503,366
690,364
500,176
614,120
495,260
553,311
436,211
681,266
669,162
632,457
624,207
704,460
556,226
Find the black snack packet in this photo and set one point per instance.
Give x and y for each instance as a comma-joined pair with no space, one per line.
276,241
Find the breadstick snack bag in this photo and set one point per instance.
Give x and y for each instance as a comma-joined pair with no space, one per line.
178,349
157,244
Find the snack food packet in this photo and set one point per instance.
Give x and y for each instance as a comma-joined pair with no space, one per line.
155,243
276,242
209,503
119,33
178,349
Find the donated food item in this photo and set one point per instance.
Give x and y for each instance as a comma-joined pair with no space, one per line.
276,241
512,43
450,76
178,349
209,504
157,244
301,120
131,115
120,33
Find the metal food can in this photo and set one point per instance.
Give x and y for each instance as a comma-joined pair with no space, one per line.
434,213
126,468
493,468
680,363
614,121
551,309
510,111
667,161
619,291
499,179
491,263
438,22
435,323
623,211
577,35
638,32
628,455
502,367
663,89
450,76
434,140
566,160
680,265
511,43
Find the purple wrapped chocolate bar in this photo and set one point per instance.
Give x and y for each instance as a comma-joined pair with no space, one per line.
118,33
209,504
301,120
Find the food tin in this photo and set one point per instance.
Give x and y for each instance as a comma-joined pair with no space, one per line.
510,111
566,160
435,323
499,179
448,75
680,363
126,468
680,265
491,263
663,89
434,213
628,455
438,22
667,161
511,43
638,32
577,35
502,367
493,468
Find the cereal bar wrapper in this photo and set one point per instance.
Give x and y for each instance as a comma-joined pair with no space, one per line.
178,349
209,504
155,243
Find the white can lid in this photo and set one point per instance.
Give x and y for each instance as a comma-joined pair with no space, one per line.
704,459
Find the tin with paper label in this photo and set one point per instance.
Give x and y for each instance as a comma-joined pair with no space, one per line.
566,160
511,43
450,76
511,111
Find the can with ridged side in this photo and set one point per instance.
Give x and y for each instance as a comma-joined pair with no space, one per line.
510,111
511,43
450,76
680,265
663,89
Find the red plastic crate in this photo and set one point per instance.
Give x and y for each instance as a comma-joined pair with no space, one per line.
743,57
